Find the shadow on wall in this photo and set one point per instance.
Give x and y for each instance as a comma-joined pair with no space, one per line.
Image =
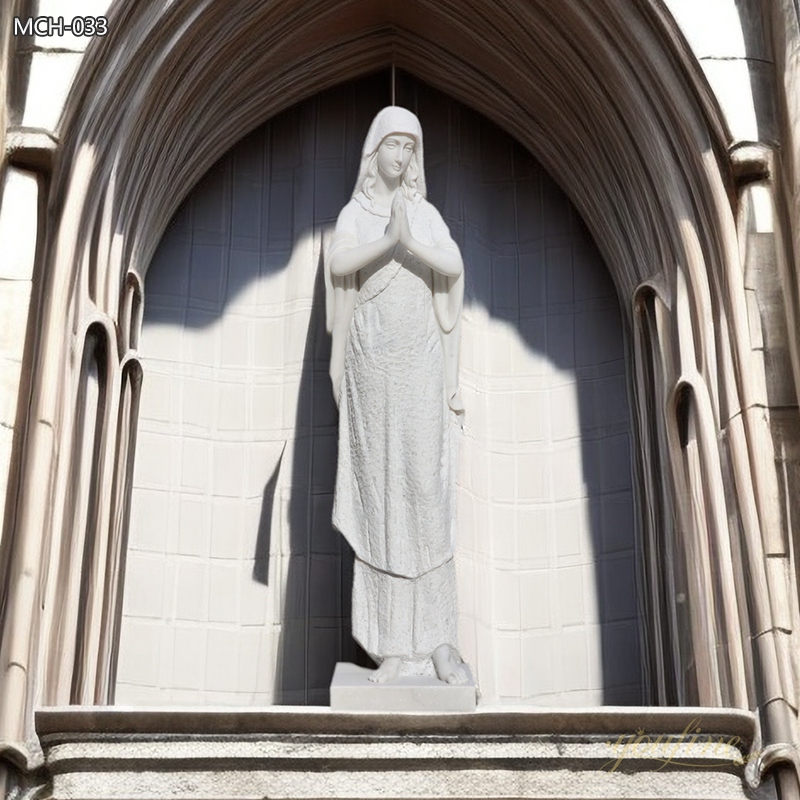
518,235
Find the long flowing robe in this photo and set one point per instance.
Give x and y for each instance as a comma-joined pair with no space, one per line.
394,365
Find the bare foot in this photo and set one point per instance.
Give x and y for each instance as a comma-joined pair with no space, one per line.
387,671
449,665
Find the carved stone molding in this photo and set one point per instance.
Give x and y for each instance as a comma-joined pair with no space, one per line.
291,753
23,775
30,149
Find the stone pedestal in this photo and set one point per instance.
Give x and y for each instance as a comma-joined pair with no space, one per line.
351,690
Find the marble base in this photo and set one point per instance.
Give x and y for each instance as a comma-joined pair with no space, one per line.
351,690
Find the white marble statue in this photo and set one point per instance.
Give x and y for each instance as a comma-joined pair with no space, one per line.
395,289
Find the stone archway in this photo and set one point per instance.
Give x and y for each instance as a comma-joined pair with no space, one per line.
613,105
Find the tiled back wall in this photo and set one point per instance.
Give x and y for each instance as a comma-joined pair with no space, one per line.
237,589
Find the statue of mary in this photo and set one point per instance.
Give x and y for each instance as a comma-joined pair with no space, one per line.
395,287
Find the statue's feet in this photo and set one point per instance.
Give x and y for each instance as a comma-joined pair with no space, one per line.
449,665
387,671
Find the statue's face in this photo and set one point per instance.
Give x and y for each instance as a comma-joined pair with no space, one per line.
394,154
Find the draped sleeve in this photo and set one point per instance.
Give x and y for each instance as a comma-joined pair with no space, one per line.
448,301
340,292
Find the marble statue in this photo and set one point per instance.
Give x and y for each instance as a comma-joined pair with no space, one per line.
395,287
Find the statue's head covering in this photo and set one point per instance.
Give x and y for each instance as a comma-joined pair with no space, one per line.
392,119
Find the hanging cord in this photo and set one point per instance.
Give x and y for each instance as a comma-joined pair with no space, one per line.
393,97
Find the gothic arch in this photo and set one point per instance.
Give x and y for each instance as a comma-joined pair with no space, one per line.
606,95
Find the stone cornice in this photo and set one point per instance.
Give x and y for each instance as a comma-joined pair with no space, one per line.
312,752
519,720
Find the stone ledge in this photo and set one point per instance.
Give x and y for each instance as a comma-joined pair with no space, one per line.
603,720
284,752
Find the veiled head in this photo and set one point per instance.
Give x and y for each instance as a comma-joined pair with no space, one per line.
393,127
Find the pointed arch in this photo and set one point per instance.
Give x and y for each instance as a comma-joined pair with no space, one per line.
606,95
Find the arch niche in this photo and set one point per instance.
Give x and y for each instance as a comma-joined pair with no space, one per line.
609,99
